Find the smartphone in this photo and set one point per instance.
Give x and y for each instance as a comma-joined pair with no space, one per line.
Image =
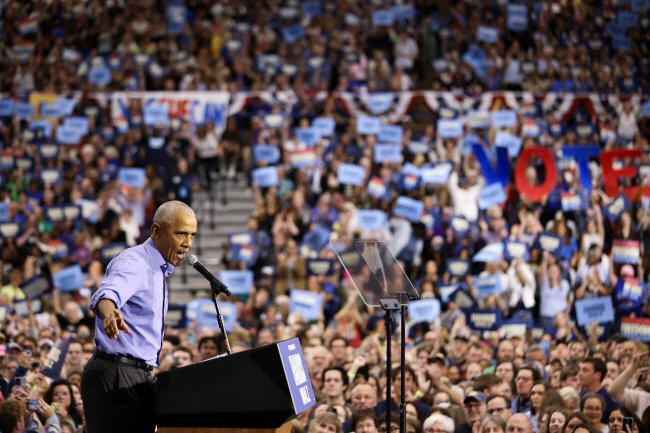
20,381
32,405
628,421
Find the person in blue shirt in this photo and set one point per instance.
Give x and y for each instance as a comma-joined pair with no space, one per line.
130,305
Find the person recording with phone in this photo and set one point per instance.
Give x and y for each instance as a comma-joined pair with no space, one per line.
36,413
131,305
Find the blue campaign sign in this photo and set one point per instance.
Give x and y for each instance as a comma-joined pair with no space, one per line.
198,310
368,125
634,289
79,124
70,56
351,19
52,176
491,195
549,242
270,154
156,114
54,213
628,19
590,310
383,18
462,298
404,11
459,225
10,230
320,267
316,238
67,135
295,370
485,319
488,285
379,102
312,8
4,211
21,309
50,110
409,208
617,207
489,253
308,304
390,134
309,136
515,250
458,268
646,107
244,253
478,119
239,282
324,126
388,153
510,142
42,125
516,327
439,174
273,120
504,119
55,359
418,147
23,110
351,174
266,176
6,107
176,317
110,251
377,187
621,42
531,128
487,34
572,201
71,212
517,20
89,210
156,142
423,310
241,238
450,128
640,5
288,12
133,177
69,279
624,251
100,75
293,33
445,291
175,18
372,219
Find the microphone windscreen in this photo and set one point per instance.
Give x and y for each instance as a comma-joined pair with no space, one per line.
192,259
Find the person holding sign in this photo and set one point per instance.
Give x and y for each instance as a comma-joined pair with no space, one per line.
131,304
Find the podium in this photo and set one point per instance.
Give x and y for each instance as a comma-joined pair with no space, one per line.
258,390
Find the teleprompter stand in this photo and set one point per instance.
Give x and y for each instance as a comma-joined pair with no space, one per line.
381,282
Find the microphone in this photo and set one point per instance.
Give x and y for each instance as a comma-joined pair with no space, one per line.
214,281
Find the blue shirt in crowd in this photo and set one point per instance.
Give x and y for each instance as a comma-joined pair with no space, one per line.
135,281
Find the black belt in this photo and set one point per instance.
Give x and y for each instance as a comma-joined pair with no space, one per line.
133,362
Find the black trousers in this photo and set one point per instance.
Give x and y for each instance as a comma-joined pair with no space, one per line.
117,398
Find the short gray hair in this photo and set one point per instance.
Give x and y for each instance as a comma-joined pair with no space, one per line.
166,212
447,423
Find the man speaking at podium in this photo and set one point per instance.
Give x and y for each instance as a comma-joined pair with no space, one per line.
130,305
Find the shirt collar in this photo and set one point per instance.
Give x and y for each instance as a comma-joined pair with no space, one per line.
157,260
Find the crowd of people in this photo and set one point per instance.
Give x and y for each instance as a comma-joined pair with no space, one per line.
325,45
69,205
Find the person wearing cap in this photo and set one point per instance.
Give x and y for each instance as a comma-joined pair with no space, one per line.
130,308
475,409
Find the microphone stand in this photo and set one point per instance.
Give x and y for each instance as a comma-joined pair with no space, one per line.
214,293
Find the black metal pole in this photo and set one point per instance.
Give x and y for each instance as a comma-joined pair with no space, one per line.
389,366
402,405
214,293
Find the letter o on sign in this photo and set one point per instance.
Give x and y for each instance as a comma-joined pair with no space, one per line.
535,193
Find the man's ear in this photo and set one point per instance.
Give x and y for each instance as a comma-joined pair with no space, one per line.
155,229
